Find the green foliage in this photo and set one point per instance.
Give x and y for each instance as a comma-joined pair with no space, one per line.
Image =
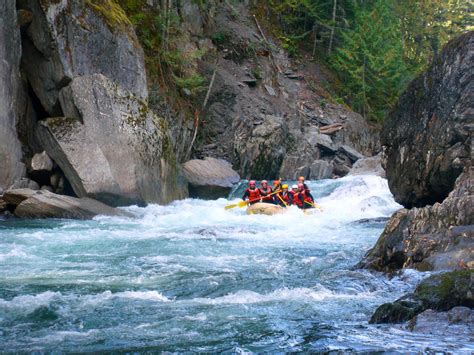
220,38
370,61
192,83
375,46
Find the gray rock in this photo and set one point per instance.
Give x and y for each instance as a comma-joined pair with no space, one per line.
270,90
430,238
322,141
210,178
54,180
41,162
120,153
24,183
351,153
53,55
46,188
45,204
439,292
426,138
368,166
320,169
11,166
457,321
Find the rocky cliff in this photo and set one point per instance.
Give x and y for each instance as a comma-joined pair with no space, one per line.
78,98
427,138
427,142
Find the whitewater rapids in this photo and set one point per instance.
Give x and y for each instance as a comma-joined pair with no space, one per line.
191,276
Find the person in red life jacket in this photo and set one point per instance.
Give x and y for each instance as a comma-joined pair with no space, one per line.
304,199
293,195
306,188
252,194
283,197
265,192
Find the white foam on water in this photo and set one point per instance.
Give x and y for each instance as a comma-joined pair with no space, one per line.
300,294
30,302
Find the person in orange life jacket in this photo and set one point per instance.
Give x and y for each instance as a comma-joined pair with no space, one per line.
306,188
276,186
293,194
252,194
304,200
265,192
283,197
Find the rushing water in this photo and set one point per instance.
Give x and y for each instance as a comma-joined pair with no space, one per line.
193,277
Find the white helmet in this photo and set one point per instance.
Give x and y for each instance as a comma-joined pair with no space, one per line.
294,187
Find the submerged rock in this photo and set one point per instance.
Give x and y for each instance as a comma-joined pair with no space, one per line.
438,292
456,321
427,138
44,204
210,178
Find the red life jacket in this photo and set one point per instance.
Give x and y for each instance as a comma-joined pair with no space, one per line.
265,193
297,198
253,194
284,196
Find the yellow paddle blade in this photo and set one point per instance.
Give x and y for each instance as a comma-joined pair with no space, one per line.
239,204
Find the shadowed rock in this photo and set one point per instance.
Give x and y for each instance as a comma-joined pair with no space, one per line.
210,178
427,138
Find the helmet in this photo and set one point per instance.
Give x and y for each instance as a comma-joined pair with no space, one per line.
264,182
300,186
294,186
301,178
276,182
284,186
252,182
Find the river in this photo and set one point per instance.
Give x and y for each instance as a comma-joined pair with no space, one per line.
191,276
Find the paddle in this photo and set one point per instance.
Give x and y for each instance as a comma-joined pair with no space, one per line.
282,200
241,204
314,205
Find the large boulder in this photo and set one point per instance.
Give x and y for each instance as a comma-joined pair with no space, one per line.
210,178
44,204
430,238
427,138
368,166
439,292
11,167
68,38
110,146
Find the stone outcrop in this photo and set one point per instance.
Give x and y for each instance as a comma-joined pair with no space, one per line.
370,165
210,178
427,138
456,321
110,146
438,292
44,204
67,39
11,166
430,238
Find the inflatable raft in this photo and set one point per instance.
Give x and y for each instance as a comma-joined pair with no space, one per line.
265,208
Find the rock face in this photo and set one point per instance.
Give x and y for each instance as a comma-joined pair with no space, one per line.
210,178
438,292
11,167
263,114
44,204
371,165
116,151
430,238
67,39
427,138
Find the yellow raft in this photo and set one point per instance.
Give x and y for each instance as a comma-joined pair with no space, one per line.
265,208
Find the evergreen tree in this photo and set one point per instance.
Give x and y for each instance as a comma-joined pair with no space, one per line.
370,60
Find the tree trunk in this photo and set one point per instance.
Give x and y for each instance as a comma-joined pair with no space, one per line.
331,39
315,30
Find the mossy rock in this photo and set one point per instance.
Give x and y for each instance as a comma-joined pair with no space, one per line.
112,13
445,291
396,312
